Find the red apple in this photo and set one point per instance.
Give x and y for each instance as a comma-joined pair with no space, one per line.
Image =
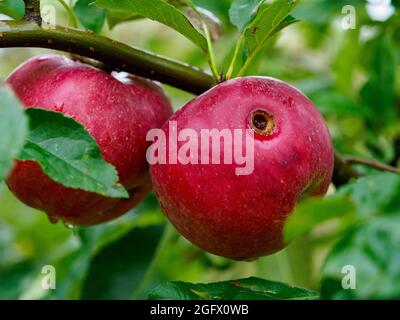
116,110
242,216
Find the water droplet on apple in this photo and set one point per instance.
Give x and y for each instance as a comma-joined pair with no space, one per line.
69,226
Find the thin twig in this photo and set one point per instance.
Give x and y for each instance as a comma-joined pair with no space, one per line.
371,163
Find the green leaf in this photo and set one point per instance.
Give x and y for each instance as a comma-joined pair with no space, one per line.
357,201
117,16
118,270
375,194
199,17
373,251
13,129
13,8
89,15
160,11
241,289
69,154
268,18
72,267
242,11
289,20
312,212
219,8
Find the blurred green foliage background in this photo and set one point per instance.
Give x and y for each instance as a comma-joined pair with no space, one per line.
353,76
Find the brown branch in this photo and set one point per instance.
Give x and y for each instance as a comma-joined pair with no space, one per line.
371,163
112,53
119,56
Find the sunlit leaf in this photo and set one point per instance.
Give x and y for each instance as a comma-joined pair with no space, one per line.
312,212
160,11
116,16
198,16
370,196
268,18
242,11
13,8
91,16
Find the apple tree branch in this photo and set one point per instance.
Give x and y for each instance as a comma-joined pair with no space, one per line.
122,57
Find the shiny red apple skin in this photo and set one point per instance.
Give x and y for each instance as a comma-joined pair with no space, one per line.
117,113
242,217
